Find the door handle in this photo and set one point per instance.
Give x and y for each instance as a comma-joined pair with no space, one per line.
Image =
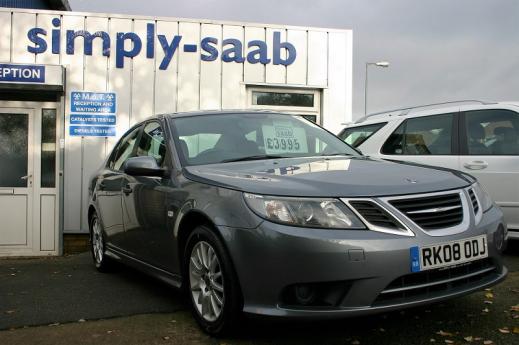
26,177
476,165
127,189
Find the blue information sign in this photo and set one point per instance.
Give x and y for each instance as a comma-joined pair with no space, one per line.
88,119
92,131
93,114
92,102
22,73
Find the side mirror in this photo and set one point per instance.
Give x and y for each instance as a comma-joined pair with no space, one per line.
143,166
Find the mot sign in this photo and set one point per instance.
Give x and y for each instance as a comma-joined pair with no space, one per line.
93,114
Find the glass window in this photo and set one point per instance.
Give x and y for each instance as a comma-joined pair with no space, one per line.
284,99
430,135
355,136
125,148
14,149
48,148
152,143
492,132
207,139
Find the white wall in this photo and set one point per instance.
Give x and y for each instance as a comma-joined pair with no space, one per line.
323,62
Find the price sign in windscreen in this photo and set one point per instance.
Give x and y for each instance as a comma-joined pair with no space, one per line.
284,138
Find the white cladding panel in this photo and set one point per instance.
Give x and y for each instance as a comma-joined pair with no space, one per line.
5,36
22,22
211,72
189,69
232,73
275,74
254,73
165,79
323,63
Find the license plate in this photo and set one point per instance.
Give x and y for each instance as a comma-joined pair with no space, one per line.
448,253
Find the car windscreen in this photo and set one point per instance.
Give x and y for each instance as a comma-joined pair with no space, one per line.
217,138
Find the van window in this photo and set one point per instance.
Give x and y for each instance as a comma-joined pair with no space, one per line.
492,132
355,136
429,135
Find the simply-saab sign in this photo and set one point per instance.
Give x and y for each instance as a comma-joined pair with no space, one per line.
232,48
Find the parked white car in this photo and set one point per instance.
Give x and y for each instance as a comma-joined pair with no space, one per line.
475,137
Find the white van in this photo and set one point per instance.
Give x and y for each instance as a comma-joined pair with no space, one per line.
479,138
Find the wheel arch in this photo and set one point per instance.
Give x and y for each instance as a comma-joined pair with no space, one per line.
189,222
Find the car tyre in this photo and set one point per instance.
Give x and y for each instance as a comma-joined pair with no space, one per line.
98,245
211,283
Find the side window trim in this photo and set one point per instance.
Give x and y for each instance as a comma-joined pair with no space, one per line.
379,124
464,145
167,157
132,154
455,141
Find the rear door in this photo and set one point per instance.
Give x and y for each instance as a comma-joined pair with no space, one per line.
490,152
429,140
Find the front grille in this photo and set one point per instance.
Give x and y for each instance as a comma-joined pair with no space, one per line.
434,283
375,215
432,212
474,201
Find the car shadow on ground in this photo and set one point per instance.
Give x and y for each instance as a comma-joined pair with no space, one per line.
66,289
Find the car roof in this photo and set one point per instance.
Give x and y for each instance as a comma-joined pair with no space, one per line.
223,112
213,112
429,109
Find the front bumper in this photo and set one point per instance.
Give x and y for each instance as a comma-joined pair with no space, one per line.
357,265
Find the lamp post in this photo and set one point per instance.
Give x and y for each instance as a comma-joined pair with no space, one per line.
383,64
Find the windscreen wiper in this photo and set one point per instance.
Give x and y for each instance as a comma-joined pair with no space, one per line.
253,158
336,154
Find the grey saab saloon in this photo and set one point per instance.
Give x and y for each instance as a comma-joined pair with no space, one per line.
266,213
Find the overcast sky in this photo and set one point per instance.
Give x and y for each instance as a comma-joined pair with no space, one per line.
439,50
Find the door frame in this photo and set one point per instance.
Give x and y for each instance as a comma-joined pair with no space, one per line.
34,244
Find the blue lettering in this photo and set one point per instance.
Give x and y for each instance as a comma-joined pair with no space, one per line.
150,41
233,54
41,44
121,52
206,45
283,53
290,49
258,55
88,39
56,39
169,49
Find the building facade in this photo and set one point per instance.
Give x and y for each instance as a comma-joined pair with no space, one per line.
72,83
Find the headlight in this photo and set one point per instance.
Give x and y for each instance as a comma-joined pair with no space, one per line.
484,199
306,212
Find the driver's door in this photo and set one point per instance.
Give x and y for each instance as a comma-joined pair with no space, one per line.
144,203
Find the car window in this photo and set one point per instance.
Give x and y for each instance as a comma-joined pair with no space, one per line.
430,135
355,136
152,143
211,139
125,148
492,132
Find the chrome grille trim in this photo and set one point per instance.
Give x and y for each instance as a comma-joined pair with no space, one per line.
450,230
432,212
404,229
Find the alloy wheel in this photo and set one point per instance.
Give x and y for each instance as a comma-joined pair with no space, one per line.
97,241
206,281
